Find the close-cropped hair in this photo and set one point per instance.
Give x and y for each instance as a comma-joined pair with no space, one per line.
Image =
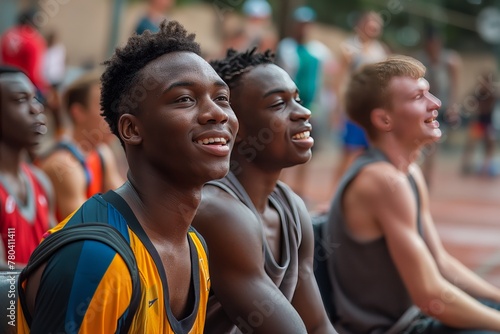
368,87
235,64
123,70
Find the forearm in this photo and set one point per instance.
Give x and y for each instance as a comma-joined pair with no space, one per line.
462,277
456,309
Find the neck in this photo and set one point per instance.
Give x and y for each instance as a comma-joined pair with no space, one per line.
11,159
258,183
164,210
399,155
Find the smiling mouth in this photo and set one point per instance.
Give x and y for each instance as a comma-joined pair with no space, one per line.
302,135
430,120
213,141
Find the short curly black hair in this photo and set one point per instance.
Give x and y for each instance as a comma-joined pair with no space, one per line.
122,72
231,68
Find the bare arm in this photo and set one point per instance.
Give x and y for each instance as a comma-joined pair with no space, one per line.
68,180
451,269
394,210
307,299
234,239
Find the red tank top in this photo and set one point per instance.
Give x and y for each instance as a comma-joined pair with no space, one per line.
22,226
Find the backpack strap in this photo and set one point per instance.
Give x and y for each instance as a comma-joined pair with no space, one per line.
101,232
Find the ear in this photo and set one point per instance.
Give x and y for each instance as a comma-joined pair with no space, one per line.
381,119
129,129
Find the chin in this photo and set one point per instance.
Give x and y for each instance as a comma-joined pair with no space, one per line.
218,172
305,158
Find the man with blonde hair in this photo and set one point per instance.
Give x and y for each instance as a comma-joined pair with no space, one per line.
389,270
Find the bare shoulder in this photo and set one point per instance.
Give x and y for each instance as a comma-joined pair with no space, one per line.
64,171
233,234
59,163
220,214
384,194
377,179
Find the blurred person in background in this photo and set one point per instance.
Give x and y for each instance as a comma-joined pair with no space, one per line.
443,73
389,270
82,164
364,47
26,195
485,97
156,12
259,28
24,47
54,64
304,60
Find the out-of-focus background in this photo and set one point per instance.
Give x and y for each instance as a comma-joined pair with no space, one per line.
465,173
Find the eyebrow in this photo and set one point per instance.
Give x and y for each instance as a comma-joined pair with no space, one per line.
218,83
278,91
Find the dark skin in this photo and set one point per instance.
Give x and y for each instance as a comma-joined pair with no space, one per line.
234,234
22,126
22,120
190,103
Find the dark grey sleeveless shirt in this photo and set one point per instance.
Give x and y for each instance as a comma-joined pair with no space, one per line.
284,274
368,293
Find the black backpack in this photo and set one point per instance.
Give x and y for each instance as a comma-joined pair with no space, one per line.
101,232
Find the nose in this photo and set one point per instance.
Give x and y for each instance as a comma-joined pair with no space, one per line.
36,107
211,112
435,103
300,112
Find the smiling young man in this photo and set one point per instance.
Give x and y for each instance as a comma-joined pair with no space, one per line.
257,230
171,112
26,196
389,270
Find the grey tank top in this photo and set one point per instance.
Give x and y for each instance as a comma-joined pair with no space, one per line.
368,293
283,274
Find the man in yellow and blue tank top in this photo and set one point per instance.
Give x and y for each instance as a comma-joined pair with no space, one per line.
171,112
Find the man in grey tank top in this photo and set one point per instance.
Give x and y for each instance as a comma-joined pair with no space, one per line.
258,232
389,270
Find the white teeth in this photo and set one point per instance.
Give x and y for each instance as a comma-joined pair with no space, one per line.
207,141
302,135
